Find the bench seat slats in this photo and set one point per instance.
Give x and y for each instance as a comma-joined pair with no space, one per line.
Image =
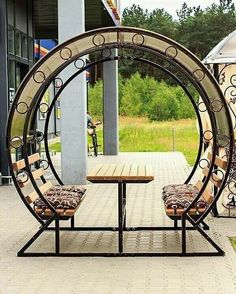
60,211
207,195
34,195
180,211
213,178
220,162
18,165
36,174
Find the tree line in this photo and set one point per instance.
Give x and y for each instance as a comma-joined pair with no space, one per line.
195,28
146,91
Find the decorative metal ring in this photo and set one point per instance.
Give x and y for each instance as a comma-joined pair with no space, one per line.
171,52
183,79
20,106
222,140
138,39
232,185
137,53
37,136
199,75
230,196
201,109
233,80
216,105
202,161
39,77
165,64
22,177
106,53
98,40
232,101
79,63
16,142
205,133
232,92
58,83
215,171
42,161
43,107
65,53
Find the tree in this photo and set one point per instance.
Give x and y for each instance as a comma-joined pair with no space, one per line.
135,16
200,30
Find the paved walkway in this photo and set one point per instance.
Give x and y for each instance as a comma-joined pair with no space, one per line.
116,275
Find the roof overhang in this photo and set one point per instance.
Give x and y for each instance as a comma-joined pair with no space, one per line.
98,13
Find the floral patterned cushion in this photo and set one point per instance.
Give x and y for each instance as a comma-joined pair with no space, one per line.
58,190
181,196
62,197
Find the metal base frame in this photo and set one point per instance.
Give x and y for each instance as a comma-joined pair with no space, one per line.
122,227
121,253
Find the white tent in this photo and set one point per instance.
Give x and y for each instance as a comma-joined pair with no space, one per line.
221,61
223,52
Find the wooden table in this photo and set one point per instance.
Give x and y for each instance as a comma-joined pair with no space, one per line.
121,174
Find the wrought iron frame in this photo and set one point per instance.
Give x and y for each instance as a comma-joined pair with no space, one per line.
191,70
220,76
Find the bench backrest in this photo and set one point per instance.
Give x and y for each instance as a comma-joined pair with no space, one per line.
220,166
24,180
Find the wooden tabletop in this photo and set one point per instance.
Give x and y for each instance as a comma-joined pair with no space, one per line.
121,172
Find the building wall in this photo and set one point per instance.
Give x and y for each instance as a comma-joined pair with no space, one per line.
20,42
4,170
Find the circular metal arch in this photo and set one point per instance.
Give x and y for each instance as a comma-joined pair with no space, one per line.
27,99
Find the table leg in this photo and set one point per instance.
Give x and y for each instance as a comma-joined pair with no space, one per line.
124,204
120,216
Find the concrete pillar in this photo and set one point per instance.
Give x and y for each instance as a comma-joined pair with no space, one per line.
71,22
110,92
4,98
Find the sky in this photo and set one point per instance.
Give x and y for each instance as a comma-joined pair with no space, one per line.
169,5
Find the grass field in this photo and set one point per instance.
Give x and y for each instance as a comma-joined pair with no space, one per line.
233,242
141,135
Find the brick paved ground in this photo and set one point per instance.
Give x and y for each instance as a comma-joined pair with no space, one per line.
116,275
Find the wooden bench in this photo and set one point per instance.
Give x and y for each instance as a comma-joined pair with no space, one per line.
61,194
177,198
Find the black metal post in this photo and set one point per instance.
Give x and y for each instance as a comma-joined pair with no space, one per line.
72,222
183,235
120,217
175,223
124,205
4,96
57,236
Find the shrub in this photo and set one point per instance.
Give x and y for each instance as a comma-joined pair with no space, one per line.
145,97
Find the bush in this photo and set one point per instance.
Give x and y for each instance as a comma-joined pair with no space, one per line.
145,97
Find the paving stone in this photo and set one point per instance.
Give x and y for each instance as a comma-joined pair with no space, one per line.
196,275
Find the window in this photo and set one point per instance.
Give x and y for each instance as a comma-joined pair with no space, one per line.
31,49
11,43
11,74
18,43
24,46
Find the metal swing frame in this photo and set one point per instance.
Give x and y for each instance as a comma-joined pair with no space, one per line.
24,111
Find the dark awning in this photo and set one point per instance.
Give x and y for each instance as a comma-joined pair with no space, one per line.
98,13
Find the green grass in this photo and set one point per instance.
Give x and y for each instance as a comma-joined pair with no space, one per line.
140,135
233,242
